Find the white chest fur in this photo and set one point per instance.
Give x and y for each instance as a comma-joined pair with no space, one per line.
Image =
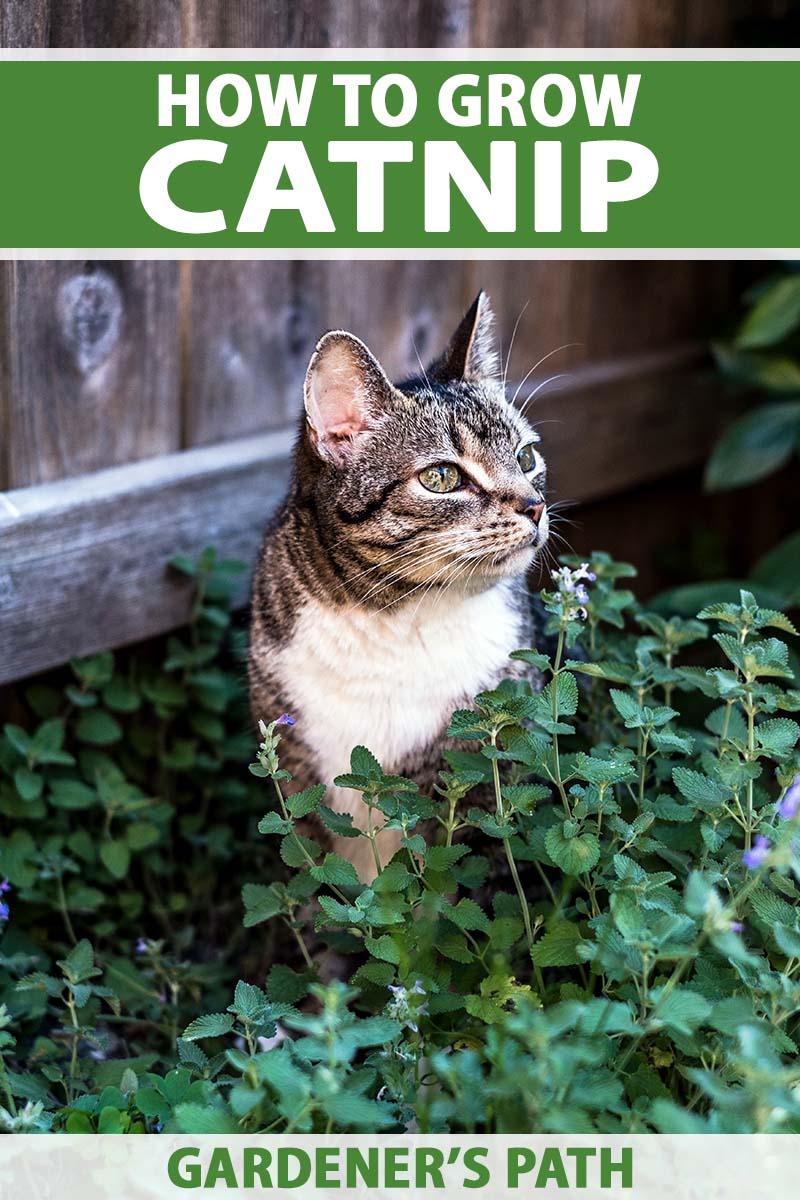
391,680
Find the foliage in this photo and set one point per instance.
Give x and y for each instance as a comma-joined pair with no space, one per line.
592,924
764,357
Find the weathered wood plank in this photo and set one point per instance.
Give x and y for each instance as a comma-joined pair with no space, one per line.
91,366
62,23
82,562
328,23
252,327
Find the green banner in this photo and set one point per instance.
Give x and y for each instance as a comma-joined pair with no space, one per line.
422,155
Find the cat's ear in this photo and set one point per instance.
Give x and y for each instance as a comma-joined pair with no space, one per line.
345,387
470,354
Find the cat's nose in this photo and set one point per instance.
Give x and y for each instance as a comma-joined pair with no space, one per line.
533,507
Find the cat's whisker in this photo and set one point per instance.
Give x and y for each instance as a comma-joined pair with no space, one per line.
421,364
536,365
511,344
532,395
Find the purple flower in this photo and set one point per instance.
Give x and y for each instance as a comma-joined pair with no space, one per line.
141,946
756,855
790,804
736,927
592,577
581,594
4,911
285,719
5,886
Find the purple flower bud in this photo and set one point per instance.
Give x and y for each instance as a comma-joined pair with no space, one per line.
285,719
756,855
736,926
790,804
592,577
141,946
5,886
4,911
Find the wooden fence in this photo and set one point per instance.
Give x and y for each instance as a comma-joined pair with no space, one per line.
146,407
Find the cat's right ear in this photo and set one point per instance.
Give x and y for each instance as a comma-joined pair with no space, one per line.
345,387
470,354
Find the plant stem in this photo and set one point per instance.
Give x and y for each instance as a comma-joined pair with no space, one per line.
373,841
62,905
554,710
512,866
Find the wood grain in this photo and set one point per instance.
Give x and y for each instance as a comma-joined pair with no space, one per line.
252,328
83,561
63,23
91,366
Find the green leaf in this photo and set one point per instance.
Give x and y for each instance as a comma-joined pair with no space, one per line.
364,762
754,446
98,728
349,1109
201,1118
775,372
771,908
208,1025
385,948
116,857
775,314
295,847
28,784
302,803
71,793
602,772
261,902
778,570
558,946
778,737
273,822
566,688
572,855
79,966
47,742
467,915
626,705
121,696
706,793
683,1009
787,938
285,985
442,858
339,823
336,871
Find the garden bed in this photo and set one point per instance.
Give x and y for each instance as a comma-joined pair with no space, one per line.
611,944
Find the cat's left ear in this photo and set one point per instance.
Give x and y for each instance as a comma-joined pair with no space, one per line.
470,354
345,388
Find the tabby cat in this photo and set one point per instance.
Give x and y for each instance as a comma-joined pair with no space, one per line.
391,584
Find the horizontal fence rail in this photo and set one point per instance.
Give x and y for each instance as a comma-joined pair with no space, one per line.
83,562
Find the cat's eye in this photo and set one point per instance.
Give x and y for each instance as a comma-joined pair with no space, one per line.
443,477
527,458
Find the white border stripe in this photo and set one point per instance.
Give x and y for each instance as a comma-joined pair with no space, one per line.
402,253
380,54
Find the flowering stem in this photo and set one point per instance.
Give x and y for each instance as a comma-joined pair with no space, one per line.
303,851
554,709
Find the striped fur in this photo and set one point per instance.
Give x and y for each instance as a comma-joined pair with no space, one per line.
380,606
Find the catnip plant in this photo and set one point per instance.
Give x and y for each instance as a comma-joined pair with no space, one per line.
593,922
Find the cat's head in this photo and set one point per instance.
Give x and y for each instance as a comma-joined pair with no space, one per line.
434,481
